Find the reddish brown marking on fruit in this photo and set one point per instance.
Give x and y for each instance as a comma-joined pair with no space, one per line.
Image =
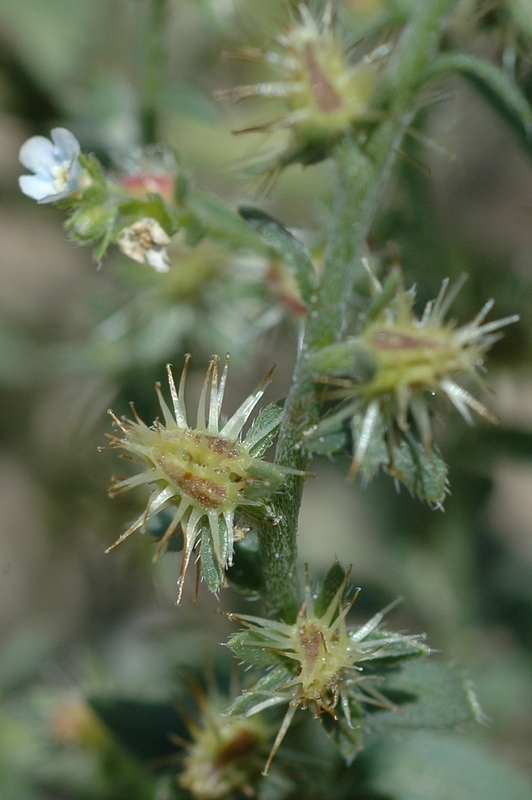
223,447
326,96
205,492
310,639
386,340
241,744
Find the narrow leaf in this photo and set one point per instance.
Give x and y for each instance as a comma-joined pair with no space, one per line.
425,474
210,565
262,432
248,646
330,585
291,250
264,689
349,359
395,646
503,94
222,222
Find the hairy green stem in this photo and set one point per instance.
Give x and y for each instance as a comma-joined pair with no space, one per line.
152,72
362,174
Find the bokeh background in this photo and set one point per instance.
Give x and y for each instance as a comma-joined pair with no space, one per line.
77,337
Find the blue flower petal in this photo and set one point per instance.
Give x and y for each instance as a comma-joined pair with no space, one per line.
38,154
55,164
39,188
66,144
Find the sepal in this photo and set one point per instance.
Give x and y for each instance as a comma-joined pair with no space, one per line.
249,647
211,561
396,647
262,695
264,428
333,581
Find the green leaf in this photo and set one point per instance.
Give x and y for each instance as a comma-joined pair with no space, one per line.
94,168
425,474
90,222
195,229
210,563
284,244
268,479
402,647
501,92
223,222
439,766
336,441
342,359
249,646
263,430
438,698
391,288
154,207
101,248
143,728
376,454
264,688
330,585
331,434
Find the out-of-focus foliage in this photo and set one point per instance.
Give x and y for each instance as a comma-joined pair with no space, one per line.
76,336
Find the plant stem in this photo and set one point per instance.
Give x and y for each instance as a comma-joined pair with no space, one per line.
152,72
362,175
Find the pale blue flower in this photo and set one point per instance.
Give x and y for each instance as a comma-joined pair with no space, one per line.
55,163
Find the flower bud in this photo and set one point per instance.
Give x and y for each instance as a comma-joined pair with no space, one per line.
325,94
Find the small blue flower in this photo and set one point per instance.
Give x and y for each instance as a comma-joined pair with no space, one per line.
55,163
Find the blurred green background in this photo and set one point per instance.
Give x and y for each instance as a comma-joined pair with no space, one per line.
75,339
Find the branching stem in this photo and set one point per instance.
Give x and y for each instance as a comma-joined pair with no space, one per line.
362,174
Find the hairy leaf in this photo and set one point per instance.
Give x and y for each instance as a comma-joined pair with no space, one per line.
500,91
291,250
264,689
330,585
263,430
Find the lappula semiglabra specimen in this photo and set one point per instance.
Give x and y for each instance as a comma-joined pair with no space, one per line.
226,754
412,359
55,164
318,663
324,93
203,473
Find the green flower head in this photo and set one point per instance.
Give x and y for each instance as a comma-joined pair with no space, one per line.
202,473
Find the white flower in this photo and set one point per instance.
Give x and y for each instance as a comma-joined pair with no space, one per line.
145,241
55,163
